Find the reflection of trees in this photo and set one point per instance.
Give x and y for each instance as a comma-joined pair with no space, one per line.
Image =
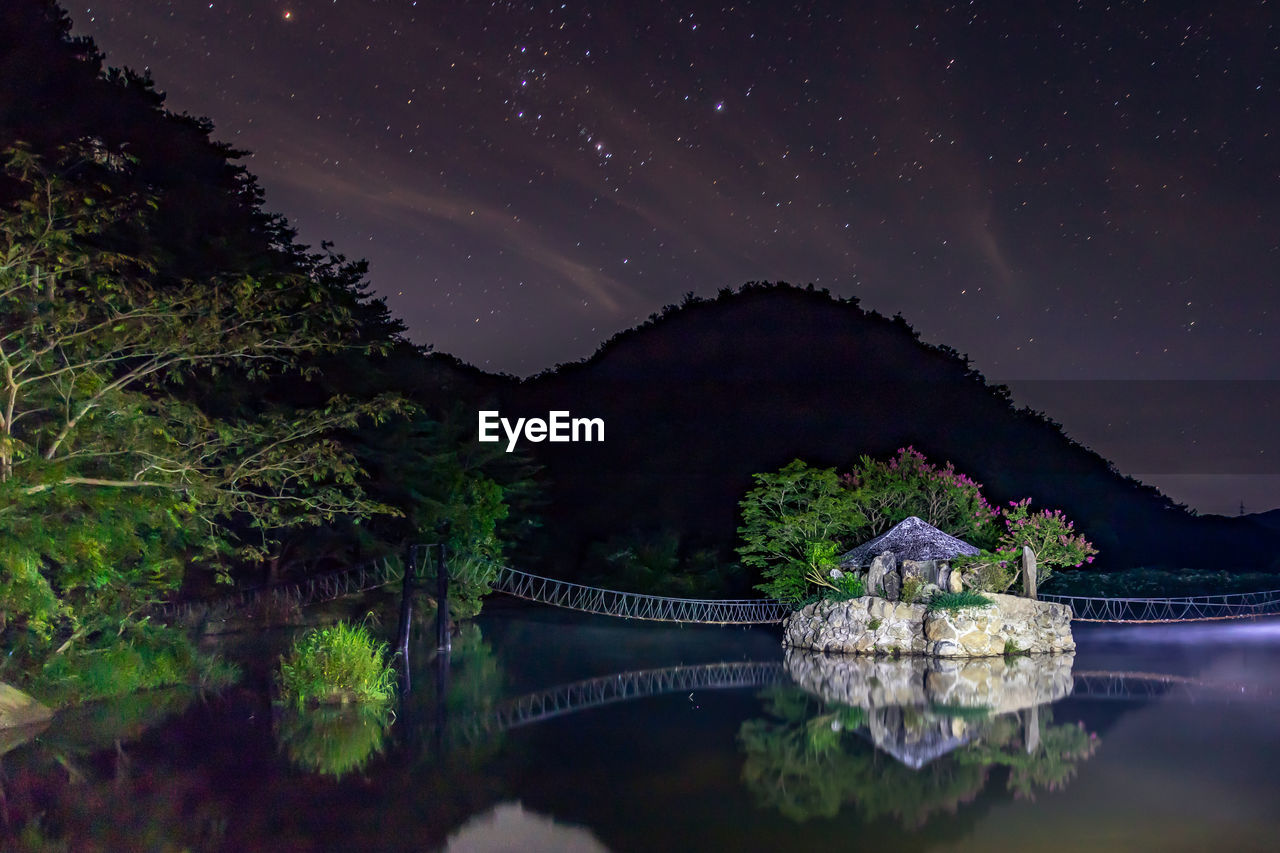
1048,765
811,759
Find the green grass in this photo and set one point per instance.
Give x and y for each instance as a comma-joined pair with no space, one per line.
145,658
339,664
957,600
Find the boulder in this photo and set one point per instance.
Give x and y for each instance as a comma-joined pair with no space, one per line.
882,565
21,717
955,583
926,571
892,586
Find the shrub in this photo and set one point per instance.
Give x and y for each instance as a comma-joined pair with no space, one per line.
1049,534
792,525
885,493
145,657
958,600
338,664
989,571
911,589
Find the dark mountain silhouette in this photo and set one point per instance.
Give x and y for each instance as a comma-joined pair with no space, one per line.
698,399
1269,519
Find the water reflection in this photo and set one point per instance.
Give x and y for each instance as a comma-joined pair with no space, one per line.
595,734
909,738
509,826
333,741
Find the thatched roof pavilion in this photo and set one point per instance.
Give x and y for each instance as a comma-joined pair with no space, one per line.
909,539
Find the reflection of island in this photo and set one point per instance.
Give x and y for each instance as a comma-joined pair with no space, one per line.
909,737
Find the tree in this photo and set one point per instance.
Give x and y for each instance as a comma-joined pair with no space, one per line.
110,480
793,518
906,485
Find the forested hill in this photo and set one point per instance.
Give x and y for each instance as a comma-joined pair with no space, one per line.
697,400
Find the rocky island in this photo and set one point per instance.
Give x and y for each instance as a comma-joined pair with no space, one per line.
905,569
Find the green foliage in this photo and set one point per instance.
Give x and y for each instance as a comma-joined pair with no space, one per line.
144,657
989,571
885,493
811,762
793,522
1049,534
1011,649
796,521
1050,766
339,664
808,761
957,600
111,478
911,589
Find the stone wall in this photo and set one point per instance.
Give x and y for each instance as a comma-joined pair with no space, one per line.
872,625
1010,623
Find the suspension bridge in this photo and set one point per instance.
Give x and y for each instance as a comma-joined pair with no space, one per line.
656,608
1192,608
631,605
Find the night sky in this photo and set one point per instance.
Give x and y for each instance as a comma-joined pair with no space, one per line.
1085,193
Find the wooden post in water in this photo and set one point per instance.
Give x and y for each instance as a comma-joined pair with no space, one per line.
1029,572
406,614
442,601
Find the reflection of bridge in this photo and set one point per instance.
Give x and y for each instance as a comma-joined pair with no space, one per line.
624,687
637,684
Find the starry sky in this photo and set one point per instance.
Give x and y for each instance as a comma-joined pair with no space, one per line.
1084,197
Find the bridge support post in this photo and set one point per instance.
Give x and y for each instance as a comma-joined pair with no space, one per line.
443,643
406,614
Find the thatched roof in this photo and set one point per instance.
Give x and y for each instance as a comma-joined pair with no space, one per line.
909,539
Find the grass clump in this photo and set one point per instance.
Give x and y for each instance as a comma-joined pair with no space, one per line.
957,600
339,664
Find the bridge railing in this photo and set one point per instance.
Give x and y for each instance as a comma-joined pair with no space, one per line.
312,590
1238,605
634,605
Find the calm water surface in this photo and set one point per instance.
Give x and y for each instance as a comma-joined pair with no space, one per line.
562,732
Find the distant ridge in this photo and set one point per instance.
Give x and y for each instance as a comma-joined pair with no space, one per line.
702,396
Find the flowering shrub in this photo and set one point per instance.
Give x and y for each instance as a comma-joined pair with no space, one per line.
1050,535
908,484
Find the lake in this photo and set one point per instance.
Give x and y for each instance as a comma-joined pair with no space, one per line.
554,731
